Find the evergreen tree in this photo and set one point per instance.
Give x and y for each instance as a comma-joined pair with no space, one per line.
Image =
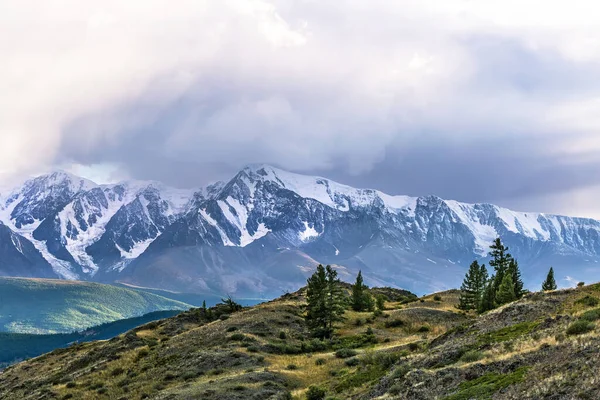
488,298
515,273
359,294
506,291
316,297
549,283
204,305
380,300
336,299
326,302
500,260
472,287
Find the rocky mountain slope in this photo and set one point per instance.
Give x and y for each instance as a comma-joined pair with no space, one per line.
544,346
262,232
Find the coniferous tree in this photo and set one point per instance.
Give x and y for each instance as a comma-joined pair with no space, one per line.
500,260
336,299
549,283
326,302
488,298
471,288
316,297
506,291
515,273
359,294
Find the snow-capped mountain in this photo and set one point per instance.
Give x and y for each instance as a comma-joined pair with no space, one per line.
264,230
79,226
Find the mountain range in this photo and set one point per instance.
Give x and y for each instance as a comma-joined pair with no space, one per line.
262,232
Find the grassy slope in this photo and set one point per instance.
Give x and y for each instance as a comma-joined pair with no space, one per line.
421,350
56,306
15,347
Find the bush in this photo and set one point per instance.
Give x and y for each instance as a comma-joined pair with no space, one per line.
71,385
320,361
345,353
358,322
352,362
237,337
394,323
117,371
581,284
224,317
592,315
580,327
471,356
232,328
282,335
292,367
588,301
437,297
413,346
424,329
315,393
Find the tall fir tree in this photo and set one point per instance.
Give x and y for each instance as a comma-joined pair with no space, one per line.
325,301
515,273
472,287
488,298
359,294
500,261
316,298
336,299
506,291
549,283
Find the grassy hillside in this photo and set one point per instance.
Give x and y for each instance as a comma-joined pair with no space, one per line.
58,306
543,346
15,347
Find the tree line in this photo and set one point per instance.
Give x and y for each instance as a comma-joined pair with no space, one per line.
482,292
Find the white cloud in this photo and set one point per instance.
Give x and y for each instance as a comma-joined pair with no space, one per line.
304,84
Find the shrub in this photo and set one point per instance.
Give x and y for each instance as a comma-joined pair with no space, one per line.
394,323
345,353
588,301
320,361
232,328
581,284
292,367
358,322
592,315
117,371
471,356
580,327
282,335
437,297
413,346
315,393
422,300
352,362
71,385
237,337
424,329
224,317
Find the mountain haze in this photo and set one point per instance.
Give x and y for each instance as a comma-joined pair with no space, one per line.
262,232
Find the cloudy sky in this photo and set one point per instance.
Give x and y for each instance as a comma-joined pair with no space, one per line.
477,100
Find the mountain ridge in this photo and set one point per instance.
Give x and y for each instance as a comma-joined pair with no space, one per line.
261,232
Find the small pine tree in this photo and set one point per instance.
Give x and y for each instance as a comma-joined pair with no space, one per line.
359,294
506,291
549,283
515,273
471,288
500,260
204,306
336,299
488,298
380,299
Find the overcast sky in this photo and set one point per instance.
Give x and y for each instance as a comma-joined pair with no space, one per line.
478,100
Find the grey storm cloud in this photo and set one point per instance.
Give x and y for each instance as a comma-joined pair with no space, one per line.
471,101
